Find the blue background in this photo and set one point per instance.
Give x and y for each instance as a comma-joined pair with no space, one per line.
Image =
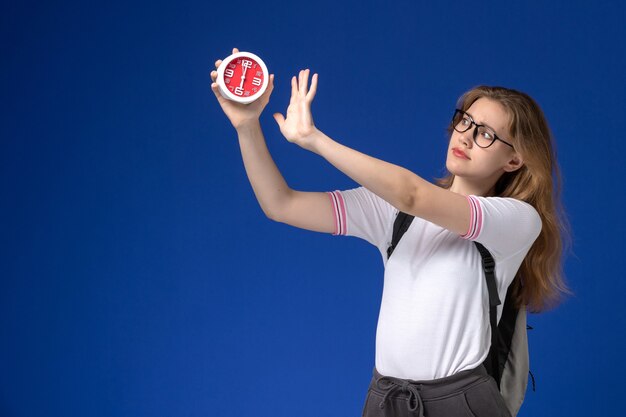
139,276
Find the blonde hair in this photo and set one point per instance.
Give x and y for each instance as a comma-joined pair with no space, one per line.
539,283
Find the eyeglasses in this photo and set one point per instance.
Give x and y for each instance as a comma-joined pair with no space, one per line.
483,135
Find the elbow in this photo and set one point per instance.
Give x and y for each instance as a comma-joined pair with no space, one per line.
274,218
271,215
274,209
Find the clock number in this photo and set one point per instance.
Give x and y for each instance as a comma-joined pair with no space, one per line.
238,90
246,63
256,81
229,73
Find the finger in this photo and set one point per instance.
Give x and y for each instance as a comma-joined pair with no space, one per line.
217,93
306,81
302,83
294,89
213,75
219,61
279,119
270,87
311,93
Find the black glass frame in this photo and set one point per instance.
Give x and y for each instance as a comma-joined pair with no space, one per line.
495,137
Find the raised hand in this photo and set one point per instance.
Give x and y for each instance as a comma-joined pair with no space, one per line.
241,114
298,127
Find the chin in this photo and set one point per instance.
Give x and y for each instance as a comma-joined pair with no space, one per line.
450,167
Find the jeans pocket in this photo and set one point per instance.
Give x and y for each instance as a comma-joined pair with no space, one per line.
467,407
485,400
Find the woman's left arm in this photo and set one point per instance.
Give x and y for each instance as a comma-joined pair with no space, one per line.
400,187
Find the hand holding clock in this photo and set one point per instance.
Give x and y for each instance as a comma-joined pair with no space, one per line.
298,127
241,114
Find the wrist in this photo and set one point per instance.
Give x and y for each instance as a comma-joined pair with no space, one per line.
248,126
316,141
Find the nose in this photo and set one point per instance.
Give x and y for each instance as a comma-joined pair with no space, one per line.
466,137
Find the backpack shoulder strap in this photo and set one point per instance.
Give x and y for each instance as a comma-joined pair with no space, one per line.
493,366
400,226
507,361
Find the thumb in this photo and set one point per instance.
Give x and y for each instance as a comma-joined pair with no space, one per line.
279,119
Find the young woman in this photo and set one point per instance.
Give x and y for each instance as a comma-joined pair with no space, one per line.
502,190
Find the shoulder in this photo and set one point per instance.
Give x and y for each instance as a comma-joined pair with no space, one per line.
509,224
505,206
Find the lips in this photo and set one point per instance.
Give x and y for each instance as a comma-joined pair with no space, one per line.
459,153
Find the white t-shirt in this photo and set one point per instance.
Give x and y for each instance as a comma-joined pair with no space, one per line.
434,313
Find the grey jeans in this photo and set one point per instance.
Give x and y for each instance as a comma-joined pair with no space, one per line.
471,393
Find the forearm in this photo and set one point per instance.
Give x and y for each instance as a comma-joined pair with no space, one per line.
392,183
267,182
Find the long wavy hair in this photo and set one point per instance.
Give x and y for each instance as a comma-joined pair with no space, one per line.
539,283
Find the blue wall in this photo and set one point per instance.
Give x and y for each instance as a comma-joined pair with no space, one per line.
139,276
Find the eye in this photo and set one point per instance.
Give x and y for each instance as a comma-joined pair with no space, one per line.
465,121
487,135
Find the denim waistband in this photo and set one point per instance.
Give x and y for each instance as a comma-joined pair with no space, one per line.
426,389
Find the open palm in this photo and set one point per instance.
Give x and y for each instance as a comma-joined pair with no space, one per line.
298,126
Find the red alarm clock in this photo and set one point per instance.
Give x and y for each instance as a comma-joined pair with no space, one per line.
242,77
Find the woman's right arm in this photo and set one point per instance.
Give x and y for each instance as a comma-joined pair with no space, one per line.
307,210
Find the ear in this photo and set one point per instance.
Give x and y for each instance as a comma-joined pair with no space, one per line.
515,163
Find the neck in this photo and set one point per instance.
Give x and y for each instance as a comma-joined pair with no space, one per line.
465,186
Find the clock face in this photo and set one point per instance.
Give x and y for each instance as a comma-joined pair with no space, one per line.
242,77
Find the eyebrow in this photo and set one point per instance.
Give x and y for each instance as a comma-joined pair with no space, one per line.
484,124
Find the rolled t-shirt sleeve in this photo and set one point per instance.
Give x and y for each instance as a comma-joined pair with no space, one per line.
363,214
505,226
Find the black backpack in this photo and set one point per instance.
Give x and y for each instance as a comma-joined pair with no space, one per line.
507,361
